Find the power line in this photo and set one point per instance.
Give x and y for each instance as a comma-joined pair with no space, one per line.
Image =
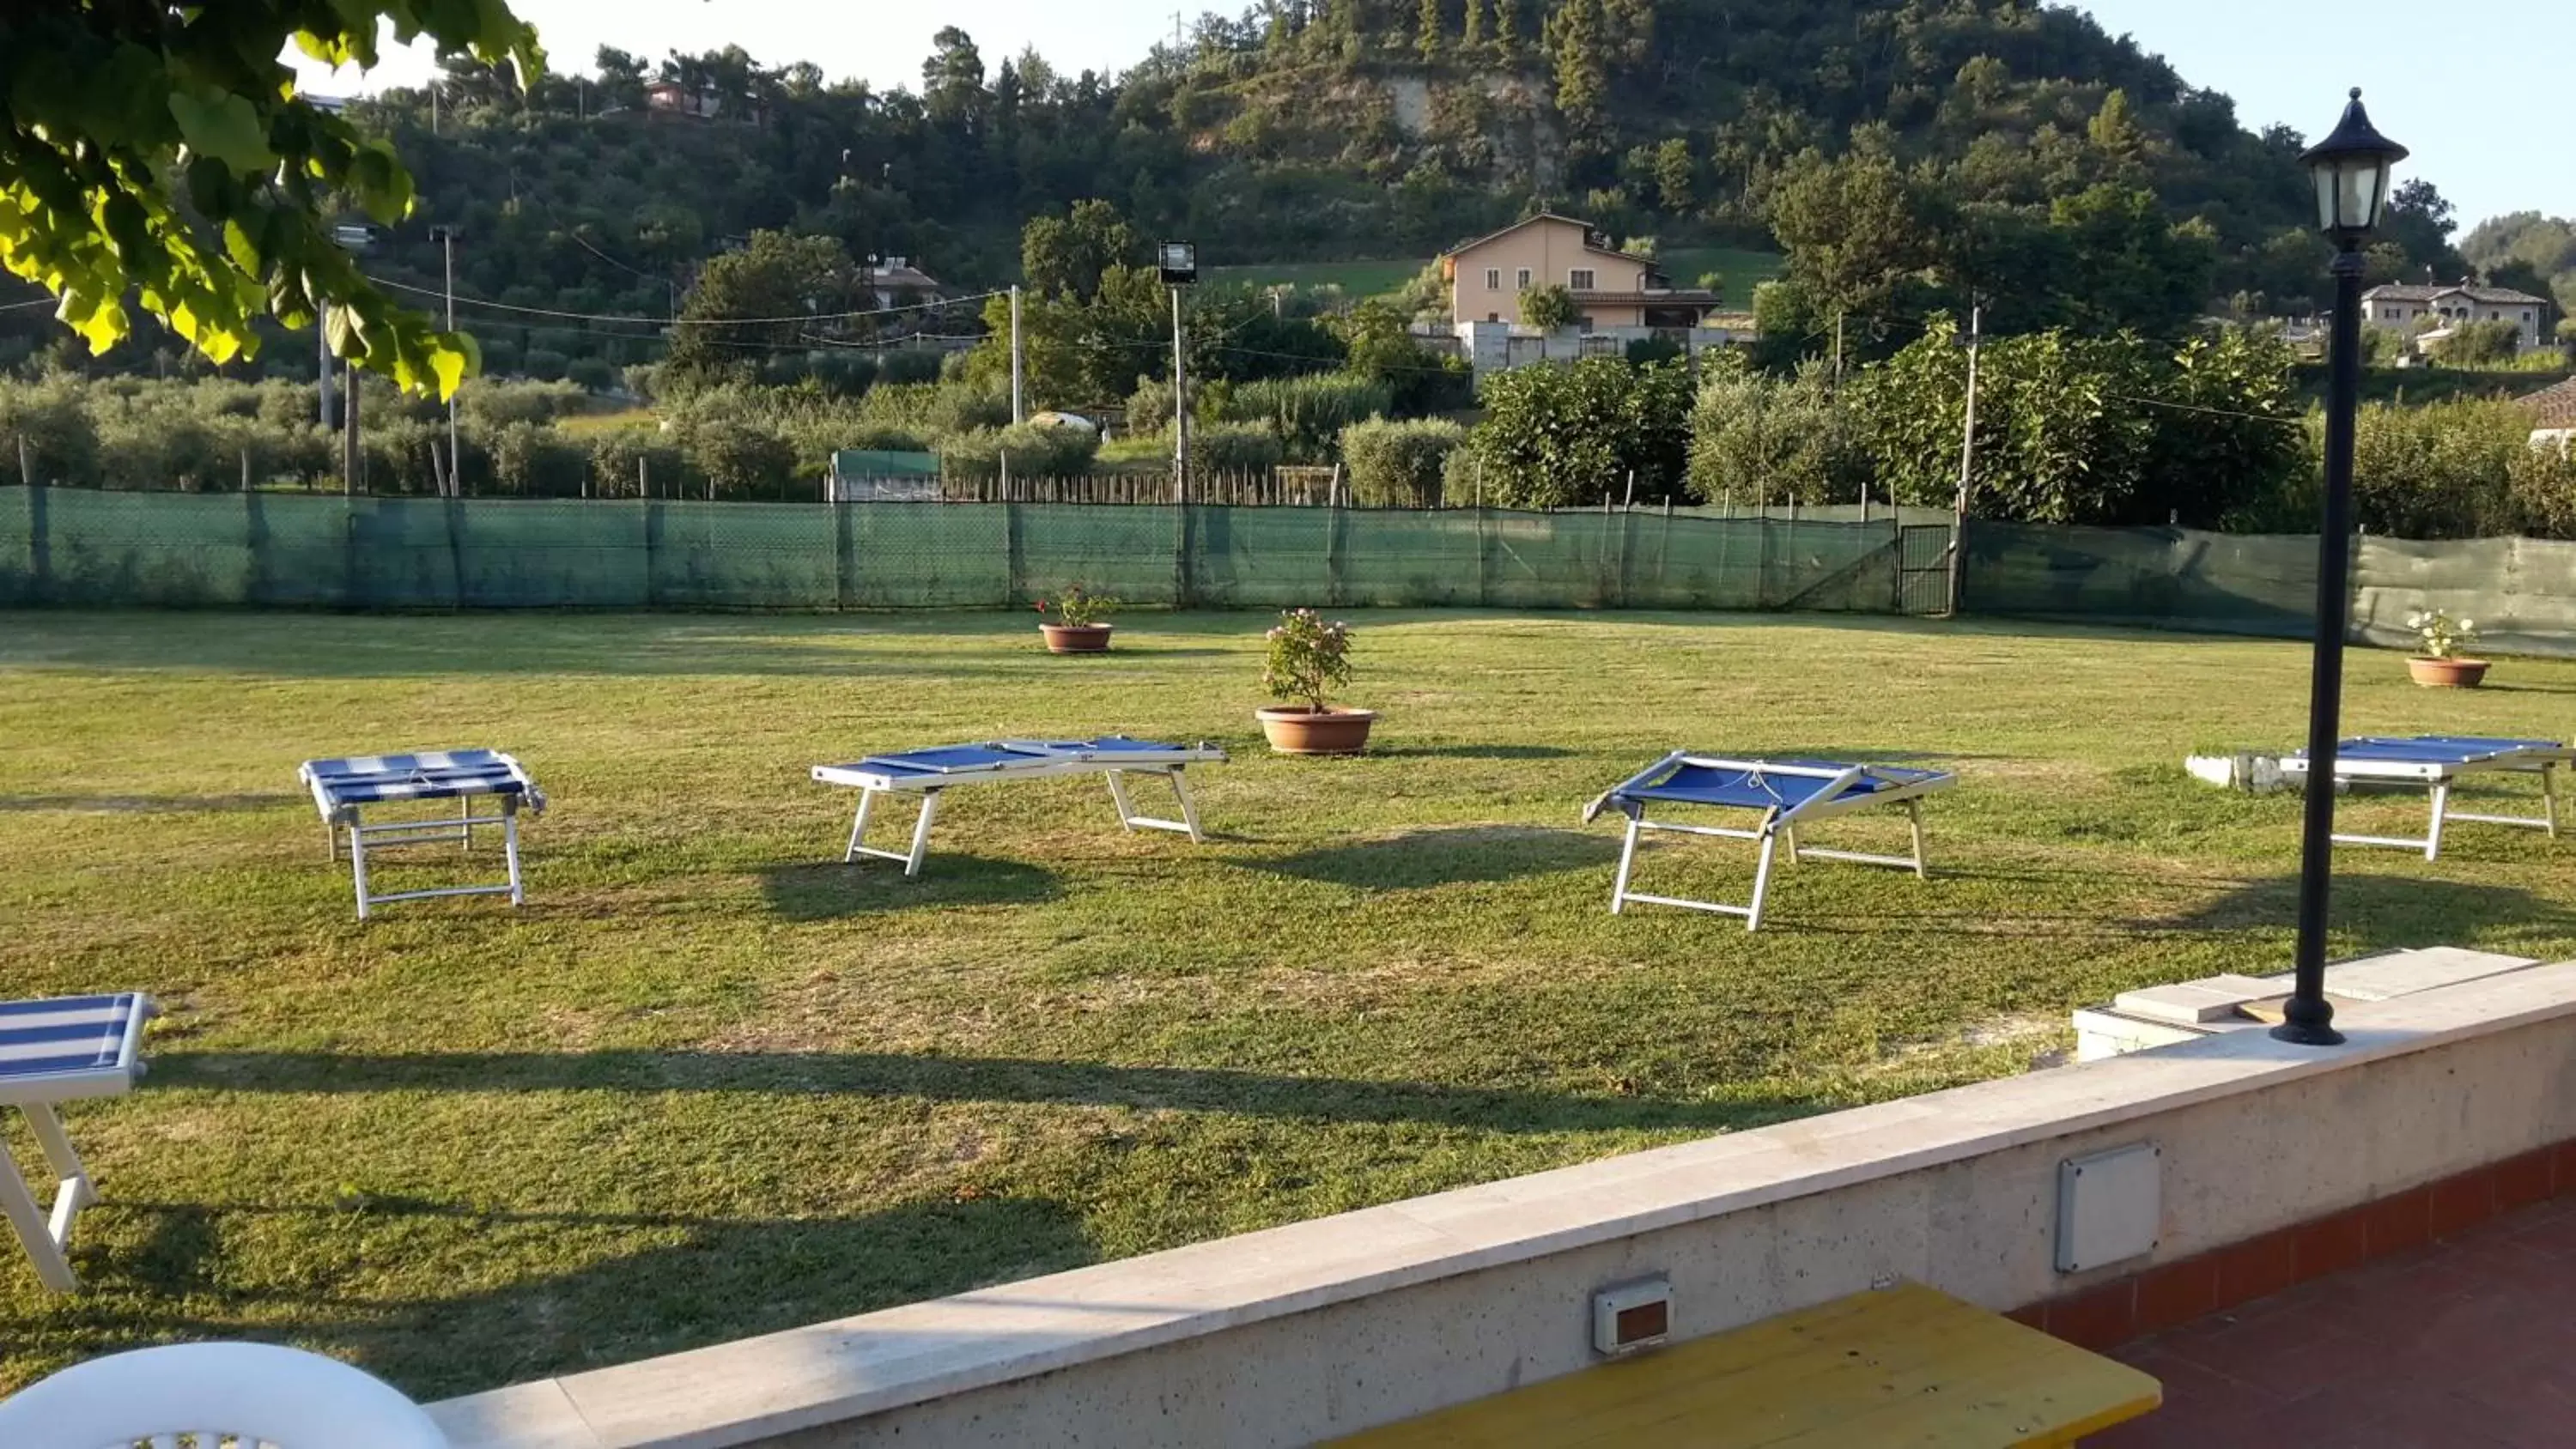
464,301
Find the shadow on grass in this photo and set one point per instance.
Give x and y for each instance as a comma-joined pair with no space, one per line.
703,1280
965,1079
1448,856
831,890
145,804
2377,912
1475,752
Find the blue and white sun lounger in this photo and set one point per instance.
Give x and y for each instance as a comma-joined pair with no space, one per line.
1787,793
344,788
927,772
2439,762
59,1051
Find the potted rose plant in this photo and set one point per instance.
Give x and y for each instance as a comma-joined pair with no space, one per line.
1076,626
1309,658
2444,664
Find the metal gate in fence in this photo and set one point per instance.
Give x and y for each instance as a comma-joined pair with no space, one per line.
1923,568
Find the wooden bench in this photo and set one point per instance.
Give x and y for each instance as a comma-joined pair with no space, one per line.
1904,1365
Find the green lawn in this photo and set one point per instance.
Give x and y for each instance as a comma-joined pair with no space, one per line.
711,1082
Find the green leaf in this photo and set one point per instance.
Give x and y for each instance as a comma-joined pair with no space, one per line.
226,127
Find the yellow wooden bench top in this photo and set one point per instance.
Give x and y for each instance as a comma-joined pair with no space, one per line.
1907,1365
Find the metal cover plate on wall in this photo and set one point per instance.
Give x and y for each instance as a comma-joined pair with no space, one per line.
2109,1205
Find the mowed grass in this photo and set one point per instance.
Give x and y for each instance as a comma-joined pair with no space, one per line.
711,1082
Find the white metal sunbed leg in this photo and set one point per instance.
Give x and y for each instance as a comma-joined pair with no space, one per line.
1790,832
34,1231
1627,860
465,826
1118,796
921,832
73,1191
859,825
1189,807
2549,798
510,847
358,863
1761,882
1914,820
2441,809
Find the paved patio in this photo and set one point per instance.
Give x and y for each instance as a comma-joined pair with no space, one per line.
2464,1343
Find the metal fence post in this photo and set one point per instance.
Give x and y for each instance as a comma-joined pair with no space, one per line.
1015,561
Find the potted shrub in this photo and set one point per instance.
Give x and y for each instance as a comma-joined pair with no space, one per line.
1076,627
1309,657
2443,665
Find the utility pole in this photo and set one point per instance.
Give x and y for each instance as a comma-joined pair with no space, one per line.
1967,461
445,236
350,457
1178,264
1180,409
322,354
1838,351
1019,400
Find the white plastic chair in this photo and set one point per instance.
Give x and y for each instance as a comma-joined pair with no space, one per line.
254,1394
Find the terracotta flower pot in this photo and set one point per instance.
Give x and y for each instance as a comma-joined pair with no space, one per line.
2446,673
1076,638
1297,730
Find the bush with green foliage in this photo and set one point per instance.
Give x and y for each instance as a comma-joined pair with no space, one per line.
2100,430
1400,464
2479,344
1549,308
1557,434
624,462
1233,448
1309,413
739,459
1032,451
533,461
1756,437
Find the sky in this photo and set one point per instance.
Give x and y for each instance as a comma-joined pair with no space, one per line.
2479,97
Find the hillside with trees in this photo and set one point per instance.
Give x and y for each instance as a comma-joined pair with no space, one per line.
1906,154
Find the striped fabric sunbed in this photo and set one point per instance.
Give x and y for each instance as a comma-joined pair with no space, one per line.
53,1051
344,788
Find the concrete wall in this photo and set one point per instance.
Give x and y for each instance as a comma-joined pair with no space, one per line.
1327,1327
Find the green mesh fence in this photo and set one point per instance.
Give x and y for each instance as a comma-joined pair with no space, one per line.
76,547
2521,591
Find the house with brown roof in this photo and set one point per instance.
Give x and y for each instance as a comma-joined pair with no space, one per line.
2553,414
1618,297
2442,306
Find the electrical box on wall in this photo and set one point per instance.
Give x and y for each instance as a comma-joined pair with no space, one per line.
2110,1206
1632,1316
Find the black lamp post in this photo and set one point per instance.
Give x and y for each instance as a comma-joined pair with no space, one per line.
2351,169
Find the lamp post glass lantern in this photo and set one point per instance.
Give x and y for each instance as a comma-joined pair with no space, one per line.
2351,168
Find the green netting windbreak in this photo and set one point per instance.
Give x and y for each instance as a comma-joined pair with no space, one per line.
69,546
2174,577
2520,591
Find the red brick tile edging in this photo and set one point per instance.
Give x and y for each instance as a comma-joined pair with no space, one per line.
2107,1315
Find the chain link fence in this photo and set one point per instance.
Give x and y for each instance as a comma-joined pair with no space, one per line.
61,546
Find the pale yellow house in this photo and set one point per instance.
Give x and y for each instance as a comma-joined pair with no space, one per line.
1612,291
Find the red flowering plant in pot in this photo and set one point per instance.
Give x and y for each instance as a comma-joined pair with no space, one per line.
1071,622
1309,658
